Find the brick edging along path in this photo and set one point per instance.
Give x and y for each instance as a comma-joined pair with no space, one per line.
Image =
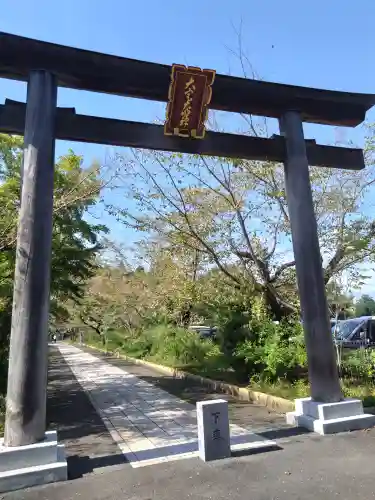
274,403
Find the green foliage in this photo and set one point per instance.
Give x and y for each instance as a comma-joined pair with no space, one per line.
234,213
359,365
176,346
273,350
169,345
365,306
75,240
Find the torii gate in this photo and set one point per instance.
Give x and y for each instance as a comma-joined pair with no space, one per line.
46,66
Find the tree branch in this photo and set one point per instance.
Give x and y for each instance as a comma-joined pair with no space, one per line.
281,269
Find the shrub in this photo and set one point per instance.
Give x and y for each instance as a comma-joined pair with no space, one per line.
137,345
176,346
274,350
359,364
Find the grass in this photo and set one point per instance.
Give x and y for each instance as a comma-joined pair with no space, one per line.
282,388
301,389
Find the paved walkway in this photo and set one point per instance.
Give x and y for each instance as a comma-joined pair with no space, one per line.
148,424
242,413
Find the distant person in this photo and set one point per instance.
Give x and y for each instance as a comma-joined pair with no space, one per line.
54,338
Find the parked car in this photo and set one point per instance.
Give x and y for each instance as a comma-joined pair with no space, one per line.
355,332
204,331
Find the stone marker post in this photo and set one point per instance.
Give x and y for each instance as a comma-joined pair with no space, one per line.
213,430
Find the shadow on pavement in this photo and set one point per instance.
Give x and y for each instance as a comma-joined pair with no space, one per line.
81,465
255,451
286,432
68,408
88,444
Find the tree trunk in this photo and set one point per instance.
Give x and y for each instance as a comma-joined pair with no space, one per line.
186,315
277,309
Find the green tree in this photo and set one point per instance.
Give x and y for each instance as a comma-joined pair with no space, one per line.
75,242
365,306
235,214
339,299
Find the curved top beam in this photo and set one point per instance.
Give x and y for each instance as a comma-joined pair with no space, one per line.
93,71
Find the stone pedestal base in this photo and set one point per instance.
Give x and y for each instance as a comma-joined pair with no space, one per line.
330,418
32,465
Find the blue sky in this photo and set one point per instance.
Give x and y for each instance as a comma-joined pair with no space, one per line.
326,44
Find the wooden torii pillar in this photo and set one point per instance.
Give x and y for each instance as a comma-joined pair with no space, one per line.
323,372
27,377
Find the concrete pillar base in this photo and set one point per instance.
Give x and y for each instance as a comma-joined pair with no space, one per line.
330,418
32,465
